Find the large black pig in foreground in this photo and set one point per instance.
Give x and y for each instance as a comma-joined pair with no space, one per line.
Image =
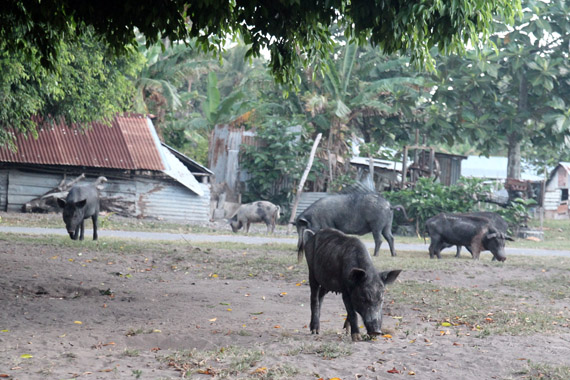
355,213
341,264
82,202
476,233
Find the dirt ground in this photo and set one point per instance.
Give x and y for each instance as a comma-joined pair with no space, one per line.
71,312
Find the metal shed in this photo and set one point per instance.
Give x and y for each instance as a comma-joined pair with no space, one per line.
556,203
154,180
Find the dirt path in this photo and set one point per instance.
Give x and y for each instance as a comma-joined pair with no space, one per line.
240,238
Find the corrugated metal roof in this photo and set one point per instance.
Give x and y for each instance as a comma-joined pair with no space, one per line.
127,144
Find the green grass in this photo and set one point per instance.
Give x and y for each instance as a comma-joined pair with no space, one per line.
554,287
227,363
540,371
326,351
486,311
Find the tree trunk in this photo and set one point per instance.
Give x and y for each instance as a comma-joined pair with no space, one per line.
514,153
514,157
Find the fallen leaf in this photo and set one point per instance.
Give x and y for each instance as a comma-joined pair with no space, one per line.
277,327
298,284
78,322
283,294
257,313
411,373
4,375
261,370
215,276
207,371
387,336
457,344
212,320
26,356
446,324
393,370
229,309
155,349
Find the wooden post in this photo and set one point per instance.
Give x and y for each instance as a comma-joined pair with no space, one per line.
404,167
302,182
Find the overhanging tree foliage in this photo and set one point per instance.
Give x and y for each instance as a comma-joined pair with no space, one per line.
516,98
84,85
290,29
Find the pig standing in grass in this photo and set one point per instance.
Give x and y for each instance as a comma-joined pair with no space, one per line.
355,213
256,212
475,232
82,202
341,264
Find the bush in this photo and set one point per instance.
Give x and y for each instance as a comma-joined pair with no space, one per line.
427,199
276,166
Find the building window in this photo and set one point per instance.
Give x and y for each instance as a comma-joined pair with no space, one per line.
564,195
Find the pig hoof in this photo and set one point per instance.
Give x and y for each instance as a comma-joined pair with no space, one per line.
315,332
356,337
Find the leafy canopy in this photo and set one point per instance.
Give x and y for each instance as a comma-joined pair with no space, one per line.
291,30
84,85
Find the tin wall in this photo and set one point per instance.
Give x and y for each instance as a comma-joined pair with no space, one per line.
144,197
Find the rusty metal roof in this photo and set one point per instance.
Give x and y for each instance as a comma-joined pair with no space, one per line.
130,142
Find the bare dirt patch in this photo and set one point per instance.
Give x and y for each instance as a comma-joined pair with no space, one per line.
166,311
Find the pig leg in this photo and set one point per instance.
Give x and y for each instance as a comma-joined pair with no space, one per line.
377,241
76,233
351,318
435,248
94,219
247,227
317,295
458,251
387,233
82,229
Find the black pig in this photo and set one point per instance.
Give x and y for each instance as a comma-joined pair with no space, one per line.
82,202
356,213
497,220
477,233
341,264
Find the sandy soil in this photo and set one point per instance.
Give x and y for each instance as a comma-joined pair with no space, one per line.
76,313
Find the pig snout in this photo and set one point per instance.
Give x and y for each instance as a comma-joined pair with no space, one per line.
373,328
373,324
500,255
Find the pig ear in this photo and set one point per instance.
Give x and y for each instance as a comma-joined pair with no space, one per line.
306,234
302,222
492,233
61,202
81,204
389,277
357,275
